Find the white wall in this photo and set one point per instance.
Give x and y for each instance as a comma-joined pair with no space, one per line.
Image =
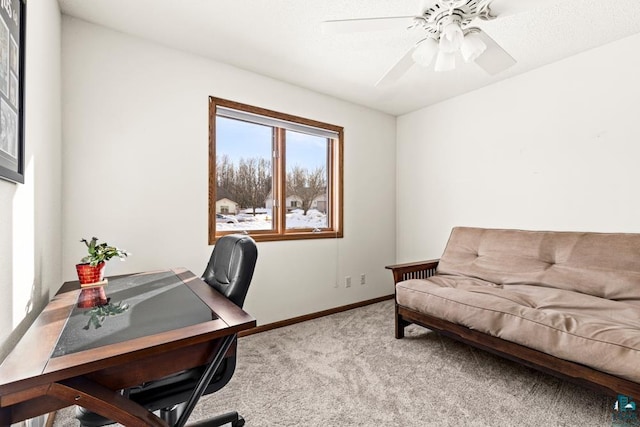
556,148
30,213
135,170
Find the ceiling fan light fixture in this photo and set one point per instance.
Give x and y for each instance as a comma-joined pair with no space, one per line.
425,51
451,38
472,47
445,61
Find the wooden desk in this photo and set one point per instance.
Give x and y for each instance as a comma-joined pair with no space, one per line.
59,364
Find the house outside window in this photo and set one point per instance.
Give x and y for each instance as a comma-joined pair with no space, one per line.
282,172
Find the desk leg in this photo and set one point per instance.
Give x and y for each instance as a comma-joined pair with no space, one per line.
5,417
204,381
109,403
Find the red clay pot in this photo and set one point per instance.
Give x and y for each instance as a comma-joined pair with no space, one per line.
88,274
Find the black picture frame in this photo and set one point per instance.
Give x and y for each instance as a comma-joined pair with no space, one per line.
13,21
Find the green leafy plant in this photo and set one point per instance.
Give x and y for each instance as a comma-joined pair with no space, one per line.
101,252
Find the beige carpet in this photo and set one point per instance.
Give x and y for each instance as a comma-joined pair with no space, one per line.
348,370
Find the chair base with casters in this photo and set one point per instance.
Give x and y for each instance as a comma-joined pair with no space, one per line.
169,415
232,417
175,396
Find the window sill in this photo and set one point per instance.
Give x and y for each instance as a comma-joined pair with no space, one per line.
271,237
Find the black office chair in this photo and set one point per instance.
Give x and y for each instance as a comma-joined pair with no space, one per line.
229,271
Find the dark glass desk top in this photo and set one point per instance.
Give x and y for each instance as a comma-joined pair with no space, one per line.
158,302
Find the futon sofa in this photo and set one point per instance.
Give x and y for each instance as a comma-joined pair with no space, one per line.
566,303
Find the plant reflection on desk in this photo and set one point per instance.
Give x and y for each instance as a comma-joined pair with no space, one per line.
100,313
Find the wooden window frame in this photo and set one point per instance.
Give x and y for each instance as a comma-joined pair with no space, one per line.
335,175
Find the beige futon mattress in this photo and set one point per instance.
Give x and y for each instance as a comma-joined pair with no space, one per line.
593,331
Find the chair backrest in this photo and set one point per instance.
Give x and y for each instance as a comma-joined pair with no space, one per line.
231,266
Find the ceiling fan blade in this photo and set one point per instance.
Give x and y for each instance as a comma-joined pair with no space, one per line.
511,7
367,24
398,69
495,59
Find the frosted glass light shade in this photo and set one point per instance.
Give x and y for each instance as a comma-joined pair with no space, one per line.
424,53
472,47
451,38
445,61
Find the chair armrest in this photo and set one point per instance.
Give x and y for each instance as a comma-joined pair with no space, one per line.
413,270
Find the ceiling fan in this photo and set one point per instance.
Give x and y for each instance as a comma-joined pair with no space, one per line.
448,29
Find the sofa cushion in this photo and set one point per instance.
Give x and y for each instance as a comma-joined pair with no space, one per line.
603,334
605,265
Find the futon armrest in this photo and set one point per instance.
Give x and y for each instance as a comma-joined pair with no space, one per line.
413,270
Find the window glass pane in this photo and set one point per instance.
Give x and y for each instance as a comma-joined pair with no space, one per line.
244,176
307,179
274,122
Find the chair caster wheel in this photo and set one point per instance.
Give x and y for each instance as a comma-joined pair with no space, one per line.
238,423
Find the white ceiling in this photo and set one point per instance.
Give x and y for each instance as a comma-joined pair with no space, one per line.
283,39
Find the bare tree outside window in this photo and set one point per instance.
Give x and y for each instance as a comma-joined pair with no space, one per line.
253,183
306,185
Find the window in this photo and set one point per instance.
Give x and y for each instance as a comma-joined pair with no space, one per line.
282,173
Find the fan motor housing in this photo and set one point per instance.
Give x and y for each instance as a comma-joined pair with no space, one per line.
462,12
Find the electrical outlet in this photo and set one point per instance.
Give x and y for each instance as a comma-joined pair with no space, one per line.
347,281
363,279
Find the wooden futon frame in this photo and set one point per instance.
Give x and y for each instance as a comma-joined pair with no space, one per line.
573,372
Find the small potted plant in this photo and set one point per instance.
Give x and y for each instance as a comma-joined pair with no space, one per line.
91,267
